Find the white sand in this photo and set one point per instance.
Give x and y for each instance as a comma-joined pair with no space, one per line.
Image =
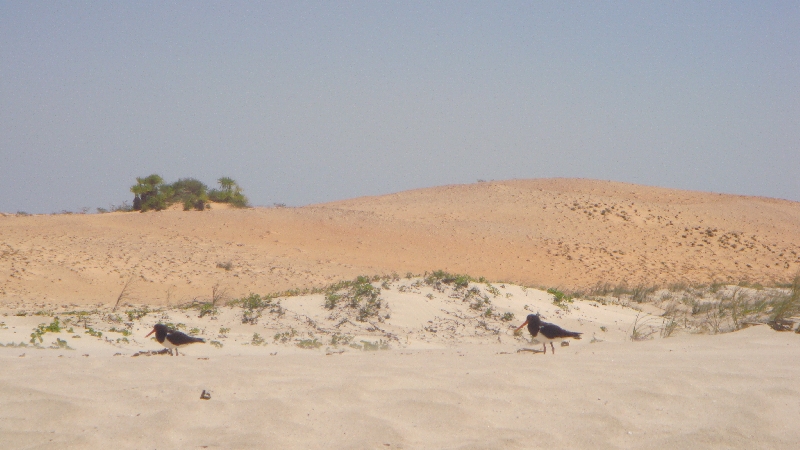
460,386
731,391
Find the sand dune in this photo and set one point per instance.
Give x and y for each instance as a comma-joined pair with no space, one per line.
417,364
564,233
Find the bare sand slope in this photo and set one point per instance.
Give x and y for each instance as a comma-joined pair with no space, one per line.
737,390
550,232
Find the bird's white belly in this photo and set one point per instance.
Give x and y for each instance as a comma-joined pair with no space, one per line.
542,339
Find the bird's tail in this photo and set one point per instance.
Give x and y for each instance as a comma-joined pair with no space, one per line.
197,339
576,335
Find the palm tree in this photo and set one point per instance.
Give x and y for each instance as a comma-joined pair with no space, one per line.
140,192
147,189
226,183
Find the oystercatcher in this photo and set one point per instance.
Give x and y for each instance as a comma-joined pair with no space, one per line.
172,339
548,332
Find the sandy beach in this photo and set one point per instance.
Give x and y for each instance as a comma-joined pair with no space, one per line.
407,357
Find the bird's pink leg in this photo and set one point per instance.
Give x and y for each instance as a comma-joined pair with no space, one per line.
544,346
552,348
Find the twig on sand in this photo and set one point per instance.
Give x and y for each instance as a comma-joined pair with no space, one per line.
532,350
123,293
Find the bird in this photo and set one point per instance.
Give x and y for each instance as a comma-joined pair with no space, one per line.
549,332
172,339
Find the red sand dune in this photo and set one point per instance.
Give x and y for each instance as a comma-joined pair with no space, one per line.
568,233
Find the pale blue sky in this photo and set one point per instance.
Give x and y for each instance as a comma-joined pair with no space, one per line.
312,102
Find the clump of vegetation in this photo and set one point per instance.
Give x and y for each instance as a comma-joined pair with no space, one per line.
124,331
309,343
175,326
560,299
286,336
208,309
643,329
38,332
61,344
137,313
372,346
439,277
216,344
152,194
340,339
14,345
92,332
255,304
786,307
229,192
477,299
359,295
257,340
507,317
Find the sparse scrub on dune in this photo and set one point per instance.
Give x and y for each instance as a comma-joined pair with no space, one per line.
358,295
786,307
209,308
439,277
477,300
713,308
254,305
560,299
492,290
643,328
137,313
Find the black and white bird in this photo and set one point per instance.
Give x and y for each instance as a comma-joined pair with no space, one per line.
547,332
172,339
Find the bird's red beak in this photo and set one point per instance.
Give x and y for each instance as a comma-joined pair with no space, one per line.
154,330
520,327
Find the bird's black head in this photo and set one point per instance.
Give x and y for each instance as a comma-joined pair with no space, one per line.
533,322
160,330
